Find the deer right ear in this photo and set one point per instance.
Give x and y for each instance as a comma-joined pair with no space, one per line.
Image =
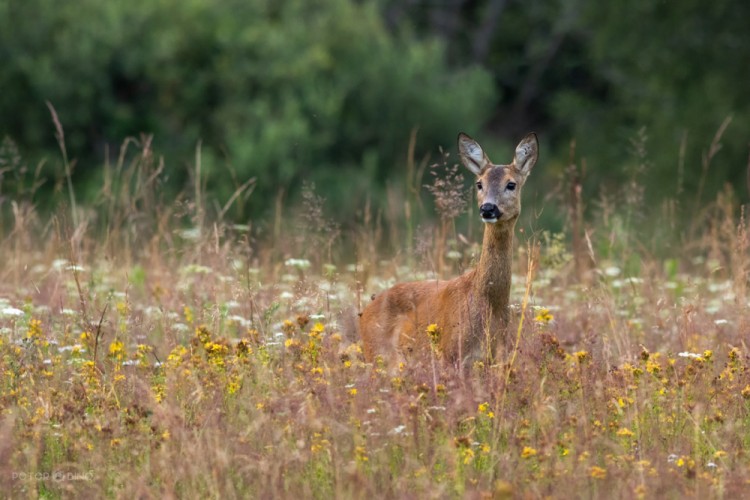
471,154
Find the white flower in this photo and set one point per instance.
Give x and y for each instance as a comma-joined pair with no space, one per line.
398,430
692,355
298,263
11,311
612,271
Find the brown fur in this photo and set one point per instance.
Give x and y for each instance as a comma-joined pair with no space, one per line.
471,311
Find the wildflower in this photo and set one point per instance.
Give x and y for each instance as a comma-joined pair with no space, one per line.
176,355
691,355
597,472
653,366
11,311
708,354
35,330
288,328
746,392
117,350
483,408
243,348
644,353
625,432
316,331
234,385
292,344
360,454
581,356
203,334
353,391
188,314
122,308
159,392
720,454
467,455
433,332
528,452
543,316
734,354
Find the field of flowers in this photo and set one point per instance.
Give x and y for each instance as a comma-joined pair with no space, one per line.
187,366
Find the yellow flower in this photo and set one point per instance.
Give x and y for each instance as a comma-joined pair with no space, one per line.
625,432
117,349
597,472
468,455
291,343
581,356
360,453
433,332
122,308
35,329
543,316
483,407
317,330
288,328
528,452
353,391
188,314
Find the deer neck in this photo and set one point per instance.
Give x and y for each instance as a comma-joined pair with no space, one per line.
493,274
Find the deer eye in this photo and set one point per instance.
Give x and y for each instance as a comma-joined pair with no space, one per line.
511,186
479,185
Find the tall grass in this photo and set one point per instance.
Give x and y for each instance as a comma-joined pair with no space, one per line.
149,348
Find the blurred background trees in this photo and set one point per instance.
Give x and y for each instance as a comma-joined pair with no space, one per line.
330,91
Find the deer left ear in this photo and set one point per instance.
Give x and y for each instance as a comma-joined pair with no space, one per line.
527,153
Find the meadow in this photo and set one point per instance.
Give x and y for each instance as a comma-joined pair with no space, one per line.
149,349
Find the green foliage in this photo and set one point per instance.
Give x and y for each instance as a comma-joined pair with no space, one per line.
280,91
675,69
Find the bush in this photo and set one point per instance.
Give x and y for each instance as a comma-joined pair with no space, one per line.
280,91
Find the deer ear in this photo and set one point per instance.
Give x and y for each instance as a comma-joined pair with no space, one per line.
527,153
471,154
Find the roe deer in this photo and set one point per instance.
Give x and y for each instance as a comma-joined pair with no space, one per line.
470,311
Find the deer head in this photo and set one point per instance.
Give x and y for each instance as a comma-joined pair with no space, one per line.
499,186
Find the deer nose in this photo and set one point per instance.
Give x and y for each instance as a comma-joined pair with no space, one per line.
489,212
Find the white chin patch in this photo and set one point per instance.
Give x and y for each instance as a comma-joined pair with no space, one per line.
489,221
